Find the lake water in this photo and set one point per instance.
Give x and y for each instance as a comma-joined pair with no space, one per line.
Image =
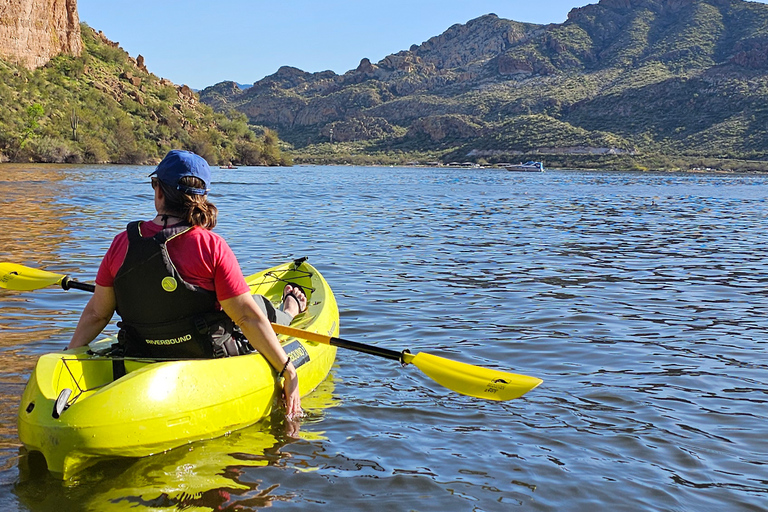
640,299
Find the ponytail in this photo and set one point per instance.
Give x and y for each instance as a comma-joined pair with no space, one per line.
193,208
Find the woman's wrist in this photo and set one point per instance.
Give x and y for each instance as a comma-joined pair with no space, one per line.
288,370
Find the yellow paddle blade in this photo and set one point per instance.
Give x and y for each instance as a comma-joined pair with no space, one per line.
463,378
19,277
473,380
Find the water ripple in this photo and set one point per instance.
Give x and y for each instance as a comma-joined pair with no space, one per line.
640,299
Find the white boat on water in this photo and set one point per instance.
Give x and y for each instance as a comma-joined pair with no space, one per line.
526,167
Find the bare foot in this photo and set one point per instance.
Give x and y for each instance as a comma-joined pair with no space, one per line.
294,300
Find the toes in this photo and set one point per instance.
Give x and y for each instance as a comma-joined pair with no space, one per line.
301,297
297,294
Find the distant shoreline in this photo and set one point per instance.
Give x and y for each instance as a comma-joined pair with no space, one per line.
659,163
694,170
554,169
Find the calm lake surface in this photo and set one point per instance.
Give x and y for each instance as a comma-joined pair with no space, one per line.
640,299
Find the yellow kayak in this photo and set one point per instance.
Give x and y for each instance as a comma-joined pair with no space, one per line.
157,406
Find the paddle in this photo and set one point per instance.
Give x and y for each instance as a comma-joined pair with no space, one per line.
461,377
19,277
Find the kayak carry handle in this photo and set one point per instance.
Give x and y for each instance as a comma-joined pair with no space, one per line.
61,403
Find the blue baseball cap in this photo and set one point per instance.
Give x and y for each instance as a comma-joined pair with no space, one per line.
178,164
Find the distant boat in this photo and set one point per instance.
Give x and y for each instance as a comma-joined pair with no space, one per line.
228,167
526,167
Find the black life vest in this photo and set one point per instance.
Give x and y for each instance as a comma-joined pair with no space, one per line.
162,315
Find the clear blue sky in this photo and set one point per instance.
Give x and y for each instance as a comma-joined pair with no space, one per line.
203,42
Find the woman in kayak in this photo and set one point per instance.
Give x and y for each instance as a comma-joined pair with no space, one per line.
170,278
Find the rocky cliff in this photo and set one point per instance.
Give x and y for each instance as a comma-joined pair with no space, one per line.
106,106
34,31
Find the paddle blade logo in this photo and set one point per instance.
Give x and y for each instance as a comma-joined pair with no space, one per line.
169,284
495,385
7,278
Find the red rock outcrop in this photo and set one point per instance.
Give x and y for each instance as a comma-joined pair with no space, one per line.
751,54
32,32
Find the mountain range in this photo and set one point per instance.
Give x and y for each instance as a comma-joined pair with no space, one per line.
631,80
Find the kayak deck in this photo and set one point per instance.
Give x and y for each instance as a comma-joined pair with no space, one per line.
159,405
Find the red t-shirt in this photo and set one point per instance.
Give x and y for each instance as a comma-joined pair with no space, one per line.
202,257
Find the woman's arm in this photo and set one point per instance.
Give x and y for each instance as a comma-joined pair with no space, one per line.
95,317
256,327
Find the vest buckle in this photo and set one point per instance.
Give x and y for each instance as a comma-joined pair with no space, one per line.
201,325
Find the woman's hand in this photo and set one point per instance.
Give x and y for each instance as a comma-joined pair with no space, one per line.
291,396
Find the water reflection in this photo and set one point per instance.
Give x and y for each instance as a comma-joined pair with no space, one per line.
31,227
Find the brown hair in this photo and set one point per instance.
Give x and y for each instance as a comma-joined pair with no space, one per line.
193,208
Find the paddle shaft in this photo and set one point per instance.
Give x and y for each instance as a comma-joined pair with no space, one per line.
338,342
68,283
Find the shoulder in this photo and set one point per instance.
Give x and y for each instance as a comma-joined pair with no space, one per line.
205,233
120,241
209,242
207,236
